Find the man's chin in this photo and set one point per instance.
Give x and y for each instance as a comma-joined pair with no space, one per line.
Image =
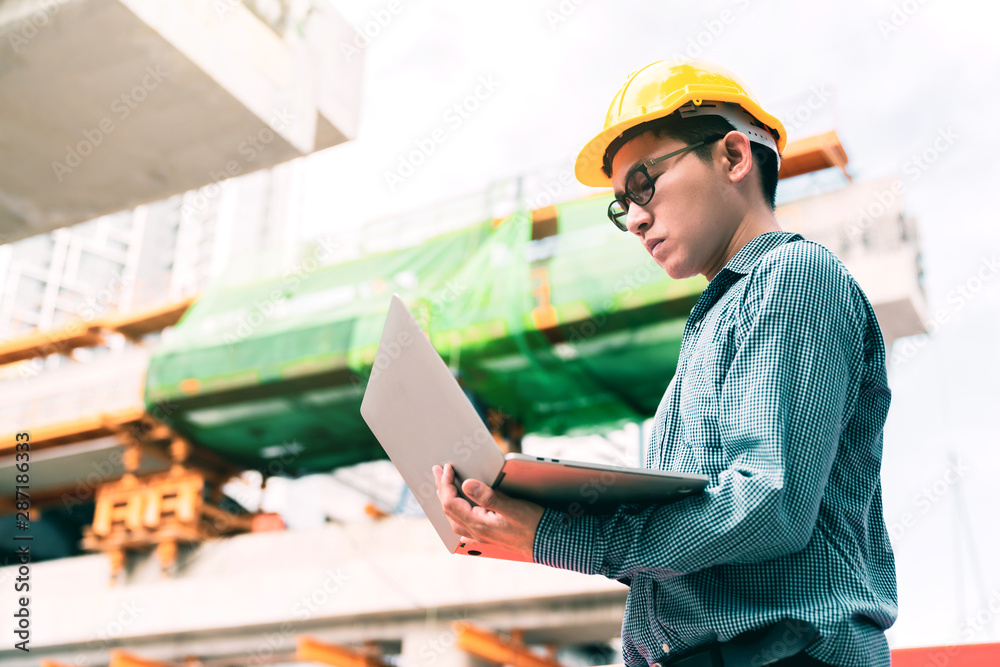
674,270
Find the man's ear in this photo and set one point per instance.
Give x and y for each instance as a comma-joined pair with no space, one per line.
736,148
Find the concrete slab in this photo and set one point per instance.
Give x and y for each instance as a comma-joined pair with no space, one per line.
108,104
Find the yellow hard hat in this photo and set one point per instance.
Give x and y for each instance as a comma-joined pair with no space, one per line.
689,87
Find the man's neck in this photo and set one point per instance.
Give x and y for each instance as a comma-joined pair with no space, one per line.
753,224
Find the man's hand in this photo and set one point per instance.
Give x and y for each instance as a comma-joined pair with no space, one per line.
498,519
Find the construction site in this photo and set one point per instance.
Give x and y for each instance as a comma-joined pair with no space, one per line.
187,361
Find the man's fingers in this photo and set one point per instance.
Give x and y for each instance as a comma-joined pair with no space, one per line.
481,514
460,517
456,509
485,497
489,513
465,519
445,486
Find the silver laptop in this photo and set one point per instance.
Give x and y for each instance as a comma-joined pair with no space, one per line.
422,418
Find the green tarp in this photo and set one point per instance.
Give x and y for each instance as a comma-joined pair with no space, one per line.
574,333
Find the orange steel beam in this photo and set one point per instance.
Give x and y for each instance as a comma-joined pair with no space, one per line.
77,430
812,154
58,341
490,646
135,325
134,428
308,649
120,658
91,332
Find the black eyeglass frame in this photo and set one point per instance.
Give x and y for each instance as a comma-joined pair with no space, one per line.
644,167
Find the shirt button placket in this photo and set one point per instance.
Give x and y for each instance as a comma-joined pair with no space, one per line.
688,340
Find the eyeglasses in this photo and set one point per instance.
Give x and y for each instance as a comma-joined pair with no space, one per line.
639,186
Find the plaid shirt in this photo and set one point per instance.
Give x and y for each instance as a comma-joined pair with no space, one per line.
779,397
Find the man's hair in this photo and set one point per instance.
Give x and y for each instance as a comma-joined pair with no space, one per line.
701,128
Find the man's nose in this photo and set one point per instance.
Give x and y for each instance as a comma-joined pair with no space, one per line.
638,219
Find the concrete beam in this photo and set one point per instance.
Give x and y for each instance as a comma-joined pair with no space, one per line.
108,104
253,594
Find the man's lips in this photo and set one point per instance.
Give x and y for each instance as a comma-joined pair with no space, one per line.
651,244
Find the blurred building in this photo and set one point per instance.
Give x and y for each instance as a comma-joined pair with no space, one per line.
154,254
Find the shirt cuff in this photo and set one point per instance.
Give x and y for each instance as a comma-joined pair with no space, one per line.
568,542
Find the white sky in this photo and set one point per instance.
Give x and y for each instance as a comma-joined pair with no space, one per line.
889,97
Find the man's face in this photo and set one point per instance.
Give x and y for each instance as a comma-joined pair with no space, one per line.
689,209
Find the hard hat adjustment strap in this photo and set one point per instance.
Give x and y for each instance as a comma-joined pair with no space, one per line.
745,123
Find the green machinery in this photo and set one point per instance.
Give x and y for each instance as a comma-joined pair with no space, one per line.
554,317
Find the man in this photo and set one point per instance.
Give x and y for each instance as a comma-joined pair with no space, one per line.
779,396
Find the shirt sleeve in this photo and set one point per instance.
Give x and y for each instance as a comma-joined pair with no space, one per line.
787,395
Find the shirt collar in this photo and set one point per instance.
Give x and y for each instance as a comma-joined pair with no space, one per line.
739,265
747,257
